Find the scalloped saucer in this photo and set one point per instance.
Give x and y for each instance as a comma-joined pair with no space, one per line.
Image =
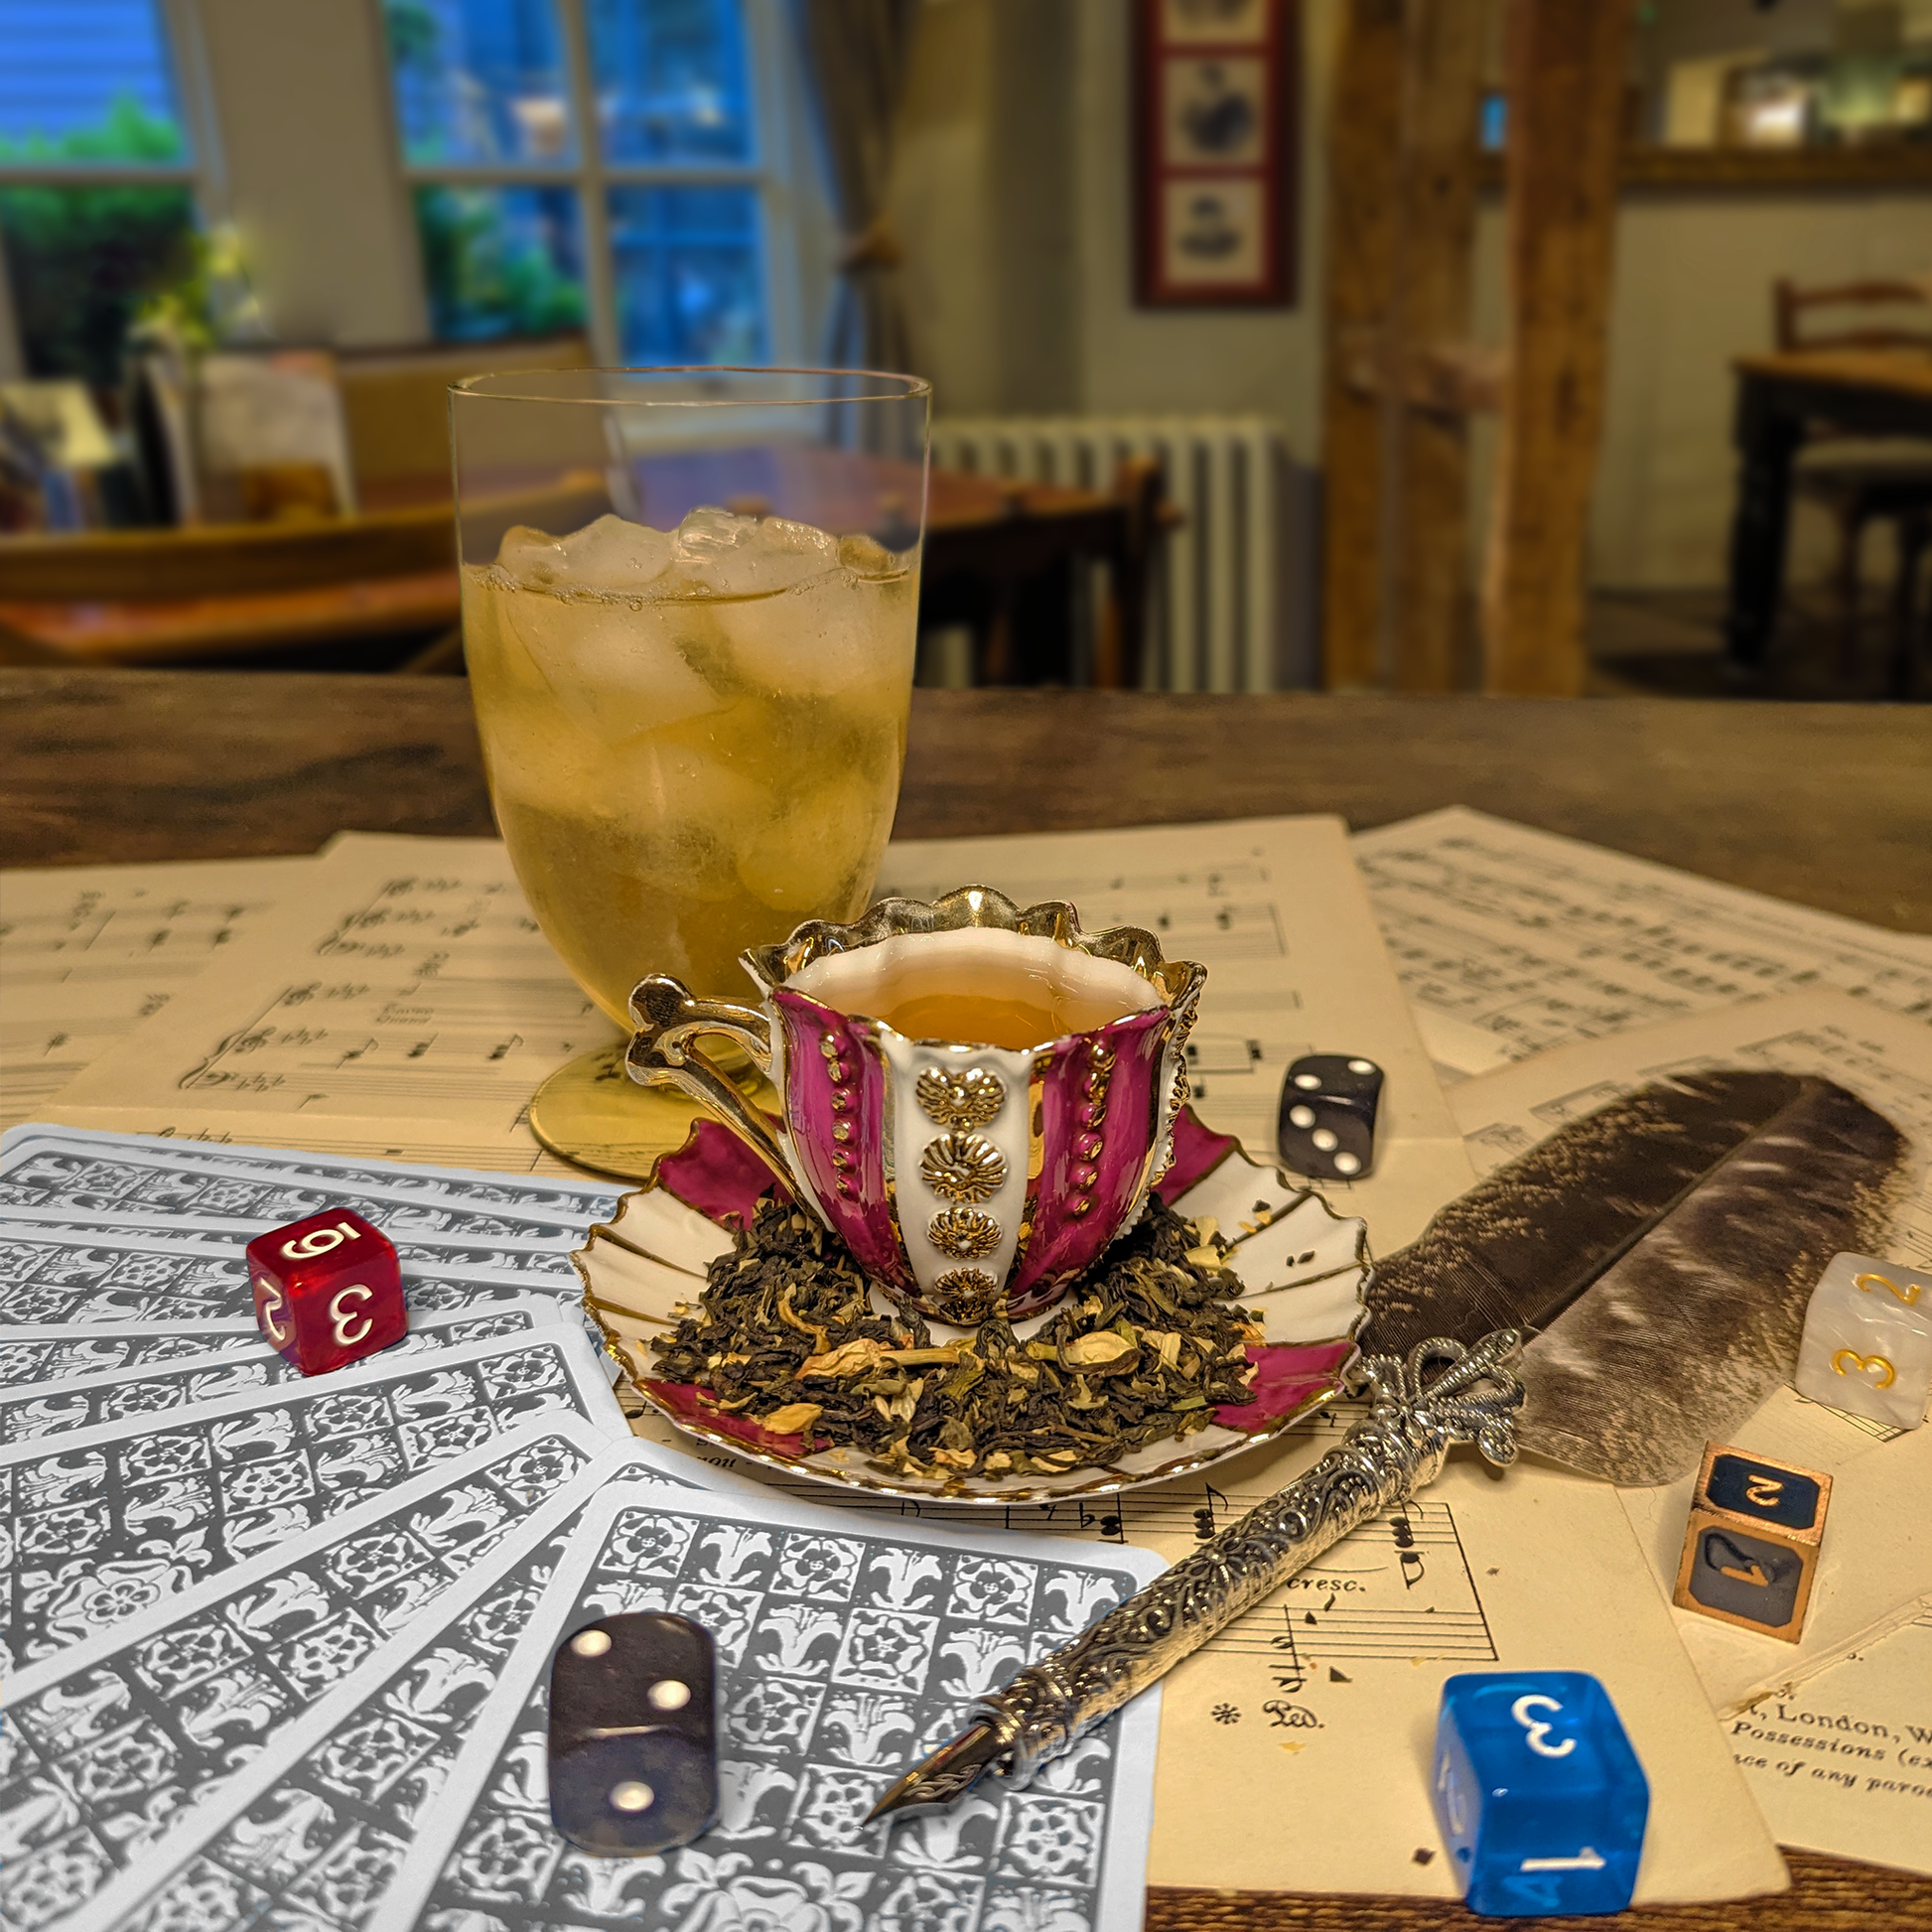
1303,1268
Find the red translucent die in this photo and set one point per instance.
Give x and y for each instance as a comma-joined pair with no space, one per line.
327,1291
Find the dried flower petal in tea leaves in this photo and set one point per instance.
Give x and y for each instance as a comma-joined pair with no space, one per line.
1145,1349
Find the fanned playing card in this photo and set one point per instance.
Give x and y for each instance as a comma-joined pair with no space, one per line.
36,1409
106,1744
56,1351
1660,1253
318,1820
109,1520
842,1651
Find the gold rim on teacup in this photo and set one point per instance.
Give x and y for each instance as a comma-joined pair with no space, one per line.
969,1179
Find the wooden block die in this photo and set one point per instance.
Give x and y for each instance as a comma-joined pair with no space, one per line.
327,1291
1751,1548
1868,1343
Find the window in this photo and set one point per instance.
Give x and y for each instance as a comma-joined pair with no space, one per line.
97,184
587,163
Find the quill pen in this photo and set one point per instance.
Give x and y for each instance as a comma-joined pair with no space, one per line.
1659,1253
1661,1249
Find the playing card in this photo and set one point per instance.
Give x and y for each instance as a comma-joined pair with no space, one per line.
844,1654
319,1819
514,1261
56,1351
38,1410
108,1520
105,1746
39,1161
82,1276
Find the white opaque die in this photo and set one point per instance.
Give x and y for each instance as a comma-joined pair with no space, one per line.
1867,1344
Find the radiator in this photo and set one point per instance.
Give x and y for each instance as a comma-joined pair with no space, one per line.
1234,582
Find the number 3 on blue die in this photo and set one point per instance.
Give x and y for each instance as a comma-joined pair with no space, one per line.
1538,1794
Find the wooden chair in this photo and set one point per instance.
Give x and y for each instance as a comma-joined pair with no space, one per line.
1857,484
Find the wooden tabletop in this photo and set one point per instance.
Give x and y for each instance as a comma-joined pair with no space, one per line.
1831,805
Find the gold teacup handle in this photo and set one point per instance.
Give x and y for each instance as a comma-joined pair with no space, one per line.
661,1054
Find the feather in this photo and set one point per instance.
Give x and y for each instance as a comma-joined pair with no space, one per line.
1660,1252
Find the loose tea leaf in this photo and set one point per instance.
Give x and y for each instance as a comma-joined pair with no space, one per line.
793,1334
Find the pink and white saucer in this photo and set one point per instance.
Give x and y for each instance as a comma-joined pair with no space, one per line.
1303,1270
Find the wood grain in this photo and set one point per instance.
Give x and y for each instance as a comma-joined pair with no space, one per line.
1826,803
1831,805
1826,1896
1428,572
1566,79
1363,139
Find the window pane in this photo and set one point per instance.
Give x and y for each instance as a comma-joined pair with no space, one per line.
671,79
501,261
478,81
79,261
689,285
86,80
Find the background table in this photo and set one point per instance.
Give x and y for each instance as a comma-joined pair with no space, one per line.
1860,392
1831,805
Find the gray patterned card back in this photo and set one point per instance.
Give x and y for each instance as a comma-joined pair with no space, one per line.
106,1522
106,1748
58,1276
516,1260
312,1829
844,1653
59,1351
36,1410
41,1164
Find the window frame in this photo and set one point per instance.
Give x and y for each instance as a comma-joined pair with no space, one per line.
200,173
773,90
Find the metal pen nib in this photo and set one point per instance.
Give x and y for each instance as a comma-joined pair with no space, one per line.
1440,1394
950,1772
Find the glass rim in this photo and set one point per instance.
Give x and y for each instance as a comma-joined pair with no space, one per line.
913,388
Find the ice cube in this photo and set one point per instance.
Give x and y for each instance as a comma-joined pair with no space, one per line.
612,554
837,633
609,661
808,860
719,554
527,556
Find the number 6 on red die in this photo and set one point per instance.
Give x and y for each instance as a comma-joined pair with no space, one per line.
327,1291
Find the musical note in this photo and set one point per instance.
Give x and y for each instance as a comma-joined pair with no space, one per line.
1413,1567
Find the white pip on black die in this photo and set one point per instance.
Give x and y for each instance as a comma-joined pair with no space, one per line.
1327,1129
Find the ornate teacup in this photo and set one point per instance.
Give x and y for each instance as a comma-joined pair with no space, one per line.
969,1176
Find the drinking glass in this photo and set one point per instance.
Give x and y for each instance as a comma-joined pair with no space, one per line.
690,605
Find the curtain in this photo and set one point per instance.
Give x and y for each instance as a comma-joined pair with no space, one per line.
855,53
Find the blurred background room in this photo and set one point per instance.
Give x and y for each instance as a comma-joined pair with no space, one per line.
1406,344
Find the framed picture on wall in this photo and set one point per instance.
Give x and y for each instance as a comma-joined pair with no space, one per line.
1215,142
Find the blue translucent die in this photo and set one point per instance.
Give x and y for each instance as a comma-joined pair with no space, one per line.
1539,1796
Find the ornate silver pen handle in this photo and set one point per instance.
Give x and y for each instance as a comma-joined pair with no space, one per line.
1440,1394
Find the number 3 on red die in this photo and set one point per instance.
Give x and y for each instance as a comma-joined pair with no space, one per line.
327,1291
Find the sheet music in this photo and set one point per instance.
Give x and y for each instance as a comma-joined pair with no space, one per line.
87,952
403,1004
1511,942
1274,908
1869,1576
1266,1731
406,1005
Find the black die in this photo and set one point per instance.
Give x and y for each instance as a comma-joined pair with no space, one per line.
634,1759
1327,1120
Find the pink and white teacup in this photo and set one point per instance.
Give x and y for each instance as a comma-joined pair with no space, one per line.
976,1098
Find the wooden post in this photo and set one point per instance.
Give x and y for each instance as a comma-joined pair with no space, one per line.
1402,196
1364,118
1566,76
1429,601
